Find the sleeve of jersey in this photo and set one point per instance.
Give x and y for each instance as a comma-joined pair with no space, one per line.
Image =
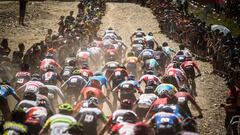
13,92
47,124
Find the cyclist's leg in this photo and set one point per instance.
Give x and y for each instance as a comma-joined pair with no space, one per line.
5,108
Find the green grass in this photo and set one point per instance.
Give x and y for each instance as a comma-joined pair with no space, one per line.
214,18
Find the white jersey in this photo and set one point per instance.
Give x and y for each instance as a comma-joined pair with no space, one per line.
117,116
59,123
146,100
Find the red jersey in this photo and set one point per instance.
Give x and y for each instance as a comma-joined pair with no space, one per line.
86,72
45,62
96,92
36,115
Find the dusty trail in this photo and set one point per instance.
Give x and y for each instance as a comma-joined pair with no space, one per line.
125,18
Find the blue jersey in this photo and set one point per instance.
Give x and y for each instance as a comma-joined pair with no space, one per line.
6,90
101,78
163,118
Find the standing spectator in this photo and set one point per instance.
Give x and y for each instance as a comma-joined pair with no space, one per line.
22,11
18,55
4,49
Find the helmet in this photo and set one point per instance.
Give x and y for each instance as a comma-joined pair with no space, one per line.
98,73
42,102
129,117
126,103
150,72
180,53
76,72
165,108
165,44
131,77
92,101
50,68
49,56
184,88
150,34
29,95
176,65
36,77
130,54
65,107
110,28
166,90
188,58
139,35
122,66
72,63
85,66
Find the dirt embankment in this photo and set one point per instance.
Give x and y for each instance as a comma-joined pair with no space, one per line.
125,18
40,16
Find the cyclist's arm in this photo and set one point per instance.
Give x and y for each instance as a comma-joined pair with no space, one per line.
60,94
195,65
14,94
106,127
45,127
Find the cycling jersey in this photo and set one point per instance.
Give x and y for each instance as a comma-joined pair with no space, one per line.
118,76
146,54
101,79
14,128
22,77
55,91
178,74
131,60
165,120
89,118
150,78
123,128
59,123
83,55
97,92
32,86
75,82
6,90
50,78
36,115
46,62
167,50
86,73
26,104
117,116
146,100
67,72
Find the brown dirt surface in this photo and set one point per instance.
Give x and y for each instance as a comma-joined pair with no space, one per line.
125,18
40,16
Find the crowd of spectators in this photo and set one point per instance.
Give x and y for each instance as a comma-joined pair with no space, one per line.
221,48
72,32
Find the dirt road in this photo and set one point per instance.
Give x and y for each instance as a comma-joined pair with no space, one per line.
126,18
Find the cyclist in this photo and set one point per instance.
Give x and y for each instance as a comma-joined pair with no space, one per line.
118,76
109,67
150,40
29,100
50,77
131,63
85,72
90,115
74,85
138,34
5,91
16,126
22,76
68,69
117,116
59,123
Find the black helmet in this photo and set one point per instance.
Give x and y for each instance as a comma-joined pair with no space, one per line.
126,104
165,108
130,117
72,63
36,77
92,101
150,72
150,34
29,95
131,77
165,44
